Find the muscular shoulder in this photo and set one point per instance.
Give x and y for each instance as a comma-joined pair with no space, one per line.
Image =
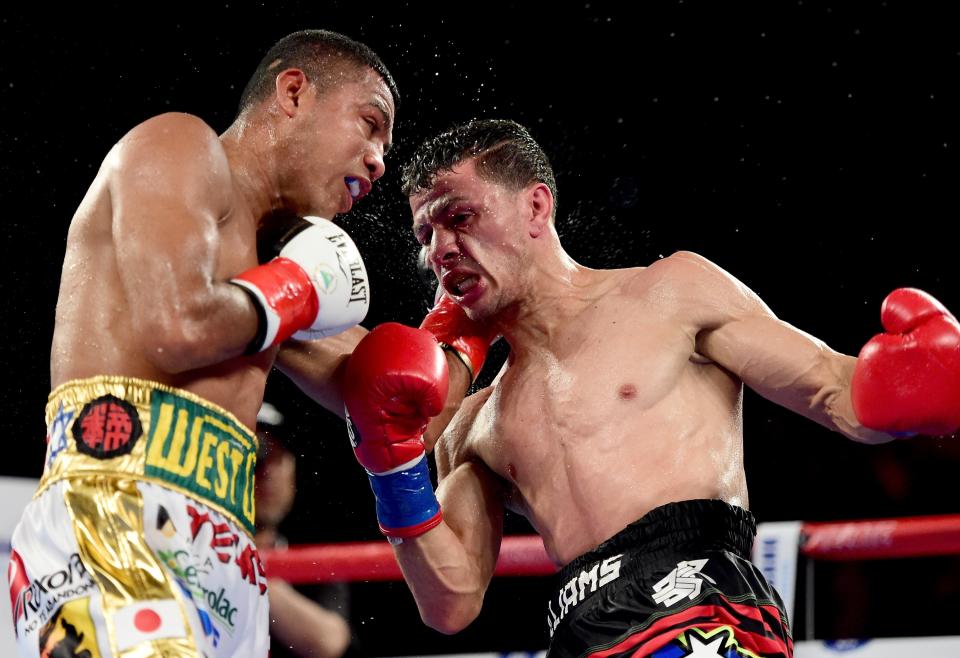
701,289
174,151
185,138
452,448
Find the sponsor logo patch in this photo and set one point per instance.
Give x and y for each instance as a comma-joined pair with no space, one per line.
57,434
200,451
107,427
70,633
35,601
684,582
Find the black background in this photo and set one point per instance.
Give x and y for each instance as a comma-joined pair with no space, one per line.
809,148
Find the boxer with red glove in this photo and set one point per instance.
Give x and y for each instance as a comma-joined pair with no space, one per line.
907,380
397,380
458,334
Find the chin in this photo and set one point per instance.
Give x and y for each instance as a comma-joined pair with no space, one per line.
479,311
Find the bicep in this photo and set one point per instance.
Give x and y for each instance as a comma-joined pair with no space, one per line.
735,329
168,190
777,360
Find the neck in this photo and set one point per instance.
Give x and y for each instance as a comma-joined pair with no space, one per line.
555,290
245,144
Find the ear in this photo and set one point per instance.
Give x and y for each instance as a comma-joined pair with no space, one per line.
290,87
540,200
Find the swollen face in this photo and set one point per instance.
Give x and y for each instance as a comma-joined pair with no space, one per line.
471,234
345,132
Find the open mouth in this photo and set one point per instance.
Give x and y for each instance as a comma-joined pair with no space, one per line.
459,284
358,187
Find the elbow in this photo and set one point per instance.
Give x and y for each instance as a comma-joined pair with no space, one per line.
451,617
334,641
174,345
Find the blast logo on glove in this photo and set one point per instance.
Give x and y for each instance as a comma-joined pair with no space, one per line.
351,267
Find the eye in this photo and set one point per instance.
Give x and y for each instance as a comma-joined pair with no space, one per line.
459,218
424,234
372,123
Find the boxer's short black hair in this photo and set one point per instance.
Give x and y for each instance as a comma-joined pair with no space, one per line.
504,150
322,55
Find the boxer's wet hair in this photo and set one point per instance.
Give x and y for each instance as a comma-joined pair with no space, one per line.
327,58
505,154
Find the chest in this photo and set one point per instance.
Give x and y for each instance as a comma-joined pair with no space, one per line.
596,380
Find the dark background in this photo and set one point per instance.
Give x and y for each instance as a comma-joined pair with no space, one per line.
809,148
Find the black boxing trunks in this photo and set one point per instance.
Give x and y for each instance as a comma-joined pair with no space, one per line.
676,583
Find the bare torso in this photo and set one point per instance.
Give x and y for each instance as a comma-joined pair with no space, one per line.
94,332
612,416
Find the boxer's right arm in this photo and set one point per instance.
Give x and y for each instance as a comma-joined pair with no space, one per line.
449,568
395,380
170,186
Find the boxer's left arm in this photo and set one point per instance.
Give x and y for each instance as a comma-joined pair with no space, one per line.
732,327
449,568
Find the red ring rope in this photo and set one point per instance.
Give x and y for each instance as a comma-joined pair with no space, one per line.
524,555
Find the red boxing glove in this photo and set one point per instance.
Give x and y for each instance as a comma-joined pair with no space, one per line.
468,339
396,380
907,381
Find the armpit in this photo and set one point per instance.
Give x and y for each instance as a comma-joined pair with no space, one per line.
699,359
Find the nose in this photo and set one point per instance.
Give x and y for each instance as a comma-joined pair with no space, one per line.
373,160
443,248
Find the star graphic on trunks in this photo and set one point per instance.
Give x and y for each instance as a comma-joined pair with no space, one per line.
700,643
700,650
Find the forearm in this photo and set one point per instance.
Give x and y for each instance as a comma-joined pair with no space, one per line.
446,583
791,368
303,625
449,568
208,327
317,366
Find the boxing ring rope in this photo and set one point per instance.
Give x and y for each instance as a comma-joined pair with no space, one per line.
520,555
524,555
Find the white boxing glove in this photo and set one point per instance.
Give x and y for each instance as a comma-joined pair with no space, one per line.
316,287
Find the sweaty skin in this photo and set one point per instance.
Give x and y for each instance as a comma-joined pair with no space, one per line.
172,215
622,392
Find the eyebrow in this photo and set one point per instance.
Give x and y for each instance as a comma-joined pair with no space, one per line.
388,120
437,207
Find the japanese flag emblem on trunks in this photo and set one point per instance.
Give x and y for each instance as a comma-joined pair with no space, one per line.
148,620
